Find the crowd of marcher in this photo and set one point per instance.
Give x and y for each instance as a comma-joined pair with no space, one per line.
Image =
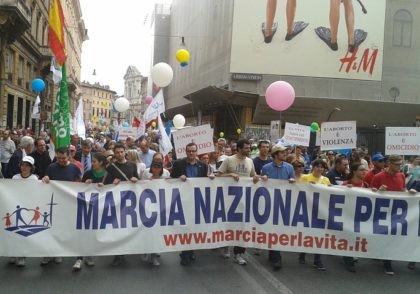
101,160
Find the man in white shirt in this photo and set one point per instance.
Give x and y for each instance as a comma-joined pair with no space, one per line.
237,166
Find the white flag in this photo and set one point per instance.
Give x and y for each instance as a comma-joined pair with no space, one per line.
72,125
155,108
35,109
80,122
165,145
56,71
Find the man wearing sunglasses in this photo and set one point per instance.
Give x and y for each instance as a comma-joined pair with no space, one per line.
378,161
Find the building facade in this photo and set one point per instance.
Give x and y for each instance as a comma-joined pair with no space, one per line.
25,55
97,104
208,90
135,90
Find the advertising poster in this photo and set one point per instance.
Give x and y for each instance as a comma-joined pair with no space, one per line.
312,46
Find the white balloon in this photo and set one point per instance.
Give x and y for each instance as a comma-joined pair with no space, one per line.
162,74
178,121
121,104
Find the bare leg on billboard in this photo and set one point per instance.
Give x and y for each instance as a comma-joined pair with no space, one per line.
349,14
334,21
290,15
293,28
269,27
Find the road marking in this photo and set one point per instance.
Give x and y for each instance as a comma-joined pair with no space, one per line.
272,280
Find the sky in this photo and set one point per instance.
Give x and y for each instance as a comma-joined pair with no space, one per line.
119,37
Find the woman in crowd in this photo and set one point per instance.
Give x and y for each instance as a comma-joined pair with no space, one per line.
356,175
355,179
147,174
27,169
213,161
298,166
316,176
132,155
330,159
94,175
156,172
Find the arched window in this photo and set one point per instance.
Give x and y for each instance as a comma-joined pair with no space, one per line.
403,28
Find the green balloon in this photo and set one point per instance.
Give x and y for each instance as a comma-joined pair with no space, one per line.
315,126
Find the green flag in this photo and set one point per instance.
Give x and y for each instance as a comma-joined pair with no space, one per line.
61,116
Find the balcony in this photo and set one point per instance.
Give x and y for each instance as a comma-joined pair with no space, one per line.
46,52
15,18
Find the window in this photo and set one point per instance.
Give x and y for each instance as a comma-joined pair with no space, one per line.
28,75
403,26
10,56
20,71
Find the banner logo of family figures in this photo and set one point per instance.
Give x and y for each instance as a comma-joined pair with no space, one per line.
26,227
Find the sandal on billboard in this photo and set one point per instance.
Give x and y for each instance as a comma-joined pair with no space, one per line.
267,39
298,27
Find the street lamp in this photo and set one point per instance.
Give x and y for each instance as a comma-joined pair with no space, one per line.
332,111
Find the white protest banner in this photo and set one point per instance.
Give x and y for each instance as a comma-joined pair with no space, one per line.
296,134
318,138
123,133
156,107
402,141
275,126
201,135
338,135
61,218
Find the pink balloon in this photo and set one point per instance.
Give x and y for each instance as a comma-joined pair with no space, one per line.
148,99
280,95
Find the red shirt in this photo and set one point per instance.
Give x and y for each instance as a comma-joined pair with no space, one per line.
361,184
369,176
394,182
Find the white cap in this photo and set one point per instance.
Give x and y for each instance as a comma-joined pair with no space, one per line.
28,159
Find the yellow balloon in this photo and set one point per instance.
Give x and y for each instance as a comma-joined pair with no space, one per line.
153,124
221,134
239,131
182,55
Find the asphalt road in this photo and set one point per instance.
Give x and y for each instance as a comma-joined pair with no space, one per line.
208,274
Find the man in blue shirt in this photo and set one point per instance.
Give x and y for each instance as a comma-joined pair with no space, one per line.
278,169
263,157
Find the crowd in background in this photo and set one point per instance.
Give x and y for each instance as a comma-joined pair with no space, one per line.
101,159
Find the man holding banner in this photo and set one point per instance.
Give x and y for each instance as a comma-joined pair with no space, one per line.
281,170
236,166
391,179
184,168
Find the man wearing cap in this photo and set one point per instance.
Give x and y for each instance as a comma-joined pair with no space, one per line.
41,157
189,167
26,169
237,166
378,161
281,170
26,173
390,179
